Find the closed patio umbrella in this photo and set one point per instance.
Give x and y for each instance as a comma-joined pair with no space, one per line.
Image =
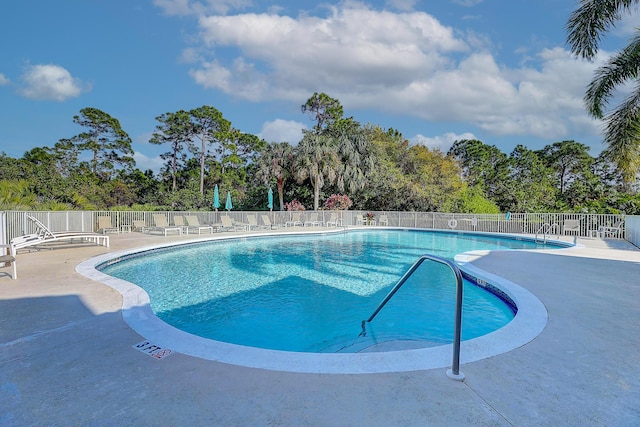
228,205
216,198
270,200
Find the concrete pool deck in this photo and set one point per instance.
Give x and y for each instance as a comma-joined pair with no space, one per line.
66,357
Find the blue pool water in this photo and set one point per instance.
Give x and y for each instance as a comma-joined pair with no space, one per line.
309,293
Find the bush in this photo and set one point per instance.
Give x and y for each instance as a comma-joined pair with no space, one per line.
294,205
338,201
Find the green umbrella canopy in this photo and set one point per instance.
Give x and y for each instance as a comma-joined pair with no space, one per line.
228,206
216,198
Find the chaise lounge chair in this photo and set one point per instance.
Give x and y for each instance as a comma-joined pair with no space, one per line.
252,222
105,225
229,225
295,220
313,220
141,226
44,236
333,220
267,222
194,224
161,224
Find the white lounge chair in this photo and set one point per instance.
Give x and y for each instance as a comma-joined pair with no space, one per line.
252,222
613,231
178,221
571,226
141,225
334,220
161,224
9,259
295,220
229,225
194,224
383,220
44,236
106,226
313,220
267,222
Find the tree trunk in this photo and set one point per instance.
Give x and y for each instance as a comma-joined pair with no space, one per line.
316,194
281,192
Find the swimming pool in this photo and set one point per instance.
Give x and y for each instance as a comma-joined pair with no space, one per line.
310,294
299,247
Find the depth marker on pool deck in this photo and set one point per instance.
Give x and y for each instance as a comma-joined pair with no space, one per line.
152,350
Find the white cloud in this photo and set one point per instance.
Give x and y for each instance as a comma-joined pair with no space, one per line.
50,82
628,25
144,162
282,131
442,142
400,63
4,80
283,57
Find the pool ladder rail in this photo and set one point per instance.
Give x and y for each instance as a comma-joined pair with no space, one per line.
453,373
547,229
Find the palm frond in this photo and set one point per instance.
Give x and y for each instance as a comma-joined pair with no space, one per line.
588,23
620,68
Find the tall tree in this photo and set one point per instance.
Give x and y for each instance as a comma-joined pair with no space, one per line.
529,187
586,27
275,162
209,127
356,155
317,159
569,159
174,130
483,166
109,145
324,110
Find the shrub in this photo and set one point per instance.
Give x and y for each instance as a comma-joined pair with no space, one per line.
294,205
338,201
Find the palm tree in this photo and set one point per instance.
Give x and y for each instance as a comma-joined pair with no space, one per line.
586,27
317,159
275,162
15,195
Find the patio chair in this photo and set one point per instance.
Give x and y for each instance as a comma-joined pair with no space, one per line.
44,235
334,220
7,259
141,226
313,220
252,222
178,221
295,220
613,231
383,220
105,225
267,222
229,225
160,223
194,224
571,226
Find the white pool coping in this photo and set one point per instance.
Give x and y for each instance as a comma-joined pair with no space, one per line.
530,320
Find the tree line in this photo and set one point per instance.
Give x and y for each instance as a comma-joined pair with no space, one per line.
377,168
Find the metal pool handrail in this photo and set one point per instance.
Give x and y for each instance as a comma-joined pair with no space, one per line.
454,372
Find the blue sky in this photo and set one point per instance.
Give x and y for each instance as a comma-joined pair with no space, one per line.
437,71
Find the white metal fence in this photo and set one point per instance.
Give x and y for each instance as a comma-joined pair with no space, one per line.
15,223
